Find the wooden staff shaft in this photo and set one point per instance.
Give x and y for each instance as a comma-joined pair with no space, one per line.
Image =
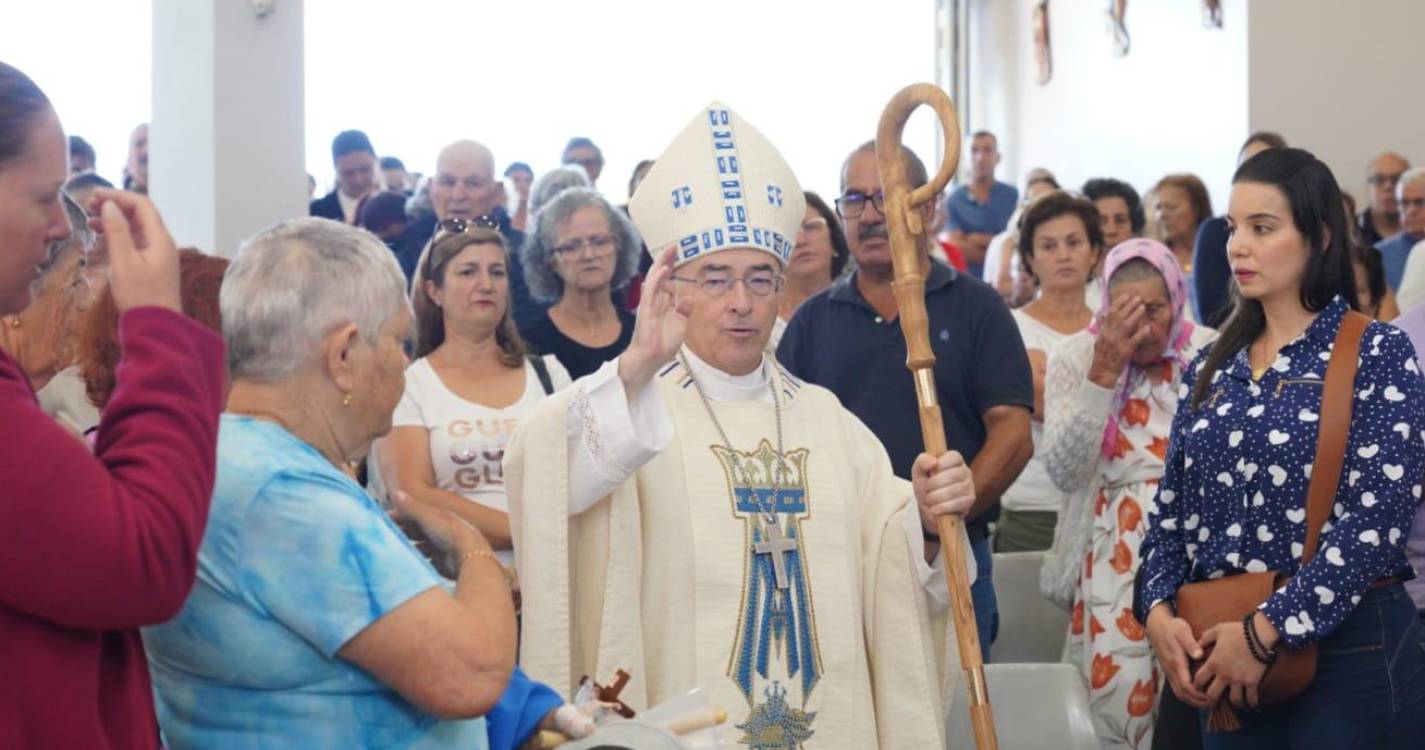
903,219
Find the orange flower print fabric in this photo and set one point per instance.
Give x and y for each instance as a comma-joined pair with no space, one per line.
1105,641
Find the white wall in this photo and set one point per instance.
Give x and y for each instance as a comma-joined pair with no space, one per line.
1338,79
1176,103
225,145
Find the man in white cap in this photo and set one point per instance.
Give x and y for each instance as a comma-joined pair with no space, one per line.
696,516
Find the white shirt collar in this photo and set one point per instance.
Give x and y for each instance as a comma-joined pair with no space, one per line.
720,386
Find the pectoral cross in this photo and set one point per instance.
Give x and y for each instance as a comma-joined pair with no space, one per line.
776,545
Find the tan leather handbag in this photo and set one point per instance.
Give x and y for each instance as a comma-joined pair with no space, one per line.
1228,600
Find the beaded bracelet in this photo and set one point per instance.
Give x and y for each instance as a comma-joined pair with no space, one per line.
1259,650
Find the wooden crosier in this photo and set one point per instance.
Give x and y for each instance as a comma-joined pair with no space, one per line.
903,219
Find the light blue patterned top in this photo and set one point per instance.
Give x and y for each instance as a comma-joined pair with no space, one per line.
297,559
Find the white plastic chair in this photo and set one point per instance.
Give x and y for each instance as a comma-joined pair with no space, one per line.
1031,628
1036,707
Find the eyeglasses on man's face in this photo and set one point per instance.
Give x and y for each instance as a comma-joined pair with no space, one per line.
461,226
853,204
716,284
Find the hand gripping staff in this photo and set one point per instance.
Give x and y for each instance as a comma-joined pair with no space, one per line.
903,219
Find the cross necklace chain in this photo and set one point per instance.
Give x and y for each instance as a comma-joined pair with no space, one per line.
774,544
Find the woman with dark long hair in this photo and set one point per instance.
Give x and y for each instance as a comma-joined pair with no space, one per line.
1233,496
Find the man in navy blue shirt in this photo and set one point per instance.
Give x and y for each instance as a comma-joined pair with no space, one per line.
980,210
848,339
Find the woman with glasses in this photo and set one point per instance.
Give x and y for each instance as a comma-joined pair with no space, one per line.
817,260
581,250
471,383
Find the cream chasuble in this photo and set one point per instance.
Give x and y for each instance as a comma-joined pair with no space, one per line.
793,588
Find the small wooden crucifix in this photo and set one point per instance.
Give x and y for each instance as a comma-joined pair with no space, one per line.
609,695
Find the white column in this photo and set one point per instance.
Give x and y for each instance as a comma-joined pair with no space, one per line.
226,141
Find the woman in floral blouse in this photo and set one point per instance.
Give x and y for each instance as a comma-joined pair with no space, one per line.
1232,498
1110,394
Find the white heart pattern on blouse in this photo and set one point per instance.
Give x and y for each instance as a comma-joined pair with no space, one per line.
1191,522
1200,426
1325,595
1393,394
1265,534
1258,500
1366,392
1248,470
1278,475
1368,499
1394,536
1296,515
1371,537
1234,438
1393,472
1410,366
1282,364
1367,452
1333,556
1306,415
1223,409
1296,550
1256,566
1225,478
1404,430
1256,411
1351,480
1277,437
1203,534
1235,530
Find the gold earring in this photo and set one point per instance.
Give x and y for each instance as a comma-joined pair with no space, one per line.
14,321
346,399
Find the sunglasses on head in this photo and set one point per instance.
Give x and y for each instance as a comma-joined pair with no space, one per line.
452,227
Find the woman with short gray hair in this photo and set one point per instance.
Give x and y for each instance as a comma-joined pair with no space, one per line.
554,182
315,622
582,248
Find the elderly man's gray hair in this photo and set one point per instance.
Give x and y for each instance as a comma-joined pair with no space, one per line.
538,253
292,284
554,182
1410,177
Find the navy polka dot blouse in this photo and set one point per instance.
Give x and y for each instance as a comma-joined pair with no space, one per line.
1233,495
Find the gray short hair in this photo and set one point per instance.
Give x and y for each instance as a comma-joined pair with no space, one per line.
79,234
554,182
293,283
1409,176
538,252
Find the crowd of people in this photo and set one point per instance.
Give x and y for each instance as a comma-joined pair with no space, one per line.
402,471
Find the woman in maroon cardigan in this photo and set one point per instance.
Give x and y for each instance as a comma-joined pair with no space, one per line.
92,546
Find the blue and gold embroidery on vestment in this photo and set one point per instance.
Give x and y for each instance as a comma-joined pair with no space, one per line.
778,622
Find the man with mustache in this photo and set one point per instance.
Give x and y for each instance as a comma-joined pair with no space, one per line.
848,339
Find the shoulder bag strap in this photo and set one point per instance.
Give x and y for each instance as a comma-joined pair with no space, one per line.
1338,395
541,371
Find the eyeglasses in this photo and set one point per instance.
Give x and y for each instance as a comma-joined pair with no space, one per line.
852,205
812,225
601,244
1383,180
717,284
1411,202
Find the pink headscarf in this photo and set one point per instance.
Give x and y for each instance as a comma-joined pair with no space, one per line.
1179,331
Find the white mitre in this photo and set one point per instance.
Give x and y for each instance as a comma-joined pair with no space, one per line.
719,185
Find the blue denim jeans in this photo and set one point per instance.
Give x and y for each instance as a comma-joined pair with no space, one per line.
982,595
1369,691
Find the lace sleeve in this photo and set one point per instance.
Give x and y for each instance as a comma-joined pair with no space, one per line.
611,435
1075,412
